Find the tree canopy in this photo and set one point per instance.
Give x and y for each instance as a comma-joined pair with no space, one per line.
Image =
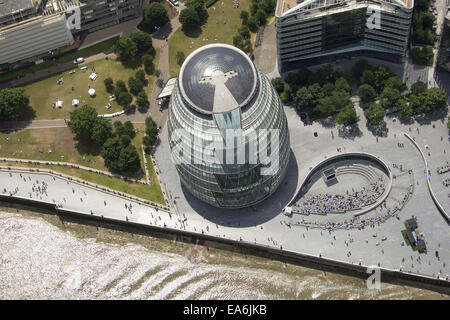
125,48
86,125
375,114
155,15
13,102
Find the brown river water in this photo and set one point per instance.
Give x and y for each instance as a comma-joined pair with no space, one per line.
43,256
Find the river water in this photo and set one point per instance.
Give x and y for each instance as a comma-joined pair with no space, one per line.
45,257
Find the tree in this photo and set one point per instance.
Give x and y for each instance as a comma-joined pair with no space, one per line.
244,16
381,76
135,85
367,93
155,15
82,122
125,48
244,32
143,41
374,114
423,56
199,7
129,159
252,24
406,110
110,153
286,95
125,140
435,98
151,134
101,131
278,84
124,99
140,75
142,100
303,99
109,84
189,18
342,85
121,86
347,116
389,97
418,88
129,129
395,83
328,89
180,57
147,60
13,102
367,77
261,17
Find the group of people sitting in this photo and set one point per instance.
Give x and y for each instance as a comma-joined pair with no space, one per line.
443,169
327,203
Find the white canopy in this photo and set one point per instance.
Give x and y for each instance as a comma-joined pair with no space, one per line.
91,92
75,102
93,76
59,104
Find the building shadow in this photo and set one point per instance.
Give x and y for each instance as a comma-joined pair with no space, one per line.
254,215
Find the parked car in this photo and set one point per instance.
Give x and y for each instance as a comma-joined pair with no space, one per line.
78,60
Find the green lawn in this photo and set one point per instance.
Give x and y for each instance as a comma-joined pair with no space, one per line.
45,92
97,48
215,29
34,144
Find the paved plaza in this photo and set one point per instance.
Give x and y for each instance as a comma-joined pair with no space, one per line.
266,225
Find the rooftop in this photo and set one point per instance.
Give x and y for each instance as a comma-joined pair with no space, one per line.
11,6
217,78
284,6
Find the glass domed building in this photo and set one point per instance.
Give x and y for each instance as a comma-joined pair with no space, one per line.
227,129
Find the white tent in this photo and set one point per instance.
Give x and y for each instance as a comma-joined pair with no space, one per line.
75,102
59,104
93,76
91,92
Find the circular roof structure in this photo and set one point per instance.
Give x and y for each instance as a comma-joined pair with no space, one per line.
217,78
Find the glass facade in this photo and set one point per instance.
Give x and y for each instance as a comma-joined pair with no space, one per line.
328,31
231,171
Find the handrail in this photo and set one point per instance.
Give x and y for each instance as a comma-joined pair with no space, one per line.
436,202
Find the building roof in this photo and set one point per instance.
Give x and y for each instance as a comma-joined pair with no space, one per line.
217,78
11,6
167,89
285,7
33,37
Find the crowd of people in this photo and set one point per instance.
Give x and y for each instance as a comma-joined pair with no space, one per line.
443,169
327,203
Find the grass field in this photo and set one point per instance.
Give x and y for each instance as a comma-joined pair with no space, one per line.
45,92
97,48
34,144
223,23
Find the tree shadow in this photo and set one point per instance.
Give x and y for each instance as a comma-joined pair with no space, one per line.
133,63
192,32
378,131
85,147
435,115
328,122
350,132
28,113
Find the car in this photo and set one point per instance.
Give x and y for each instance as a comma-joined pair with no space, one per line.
78,60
